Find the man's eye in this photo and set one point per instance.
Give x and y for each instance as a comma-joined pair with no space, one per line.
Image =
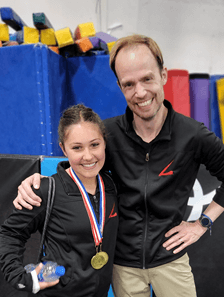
127,85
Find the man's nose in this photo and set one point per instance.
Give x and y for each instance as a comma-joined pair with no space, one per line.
140,90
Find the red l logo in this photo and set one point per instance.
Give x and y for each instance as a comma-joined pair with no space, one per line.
113,214
163,173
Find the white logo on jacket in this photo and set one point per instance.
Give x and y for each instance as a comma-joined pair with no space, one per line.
198,201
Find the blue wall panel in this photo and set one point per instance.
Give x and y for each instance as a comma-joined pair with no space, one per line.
93,83
31,98
37,85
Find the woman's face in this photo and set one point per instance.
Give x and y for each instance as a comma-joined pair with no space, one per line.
84,146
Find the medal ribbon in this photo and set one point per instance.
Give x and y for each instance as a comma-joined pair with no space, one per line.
97,228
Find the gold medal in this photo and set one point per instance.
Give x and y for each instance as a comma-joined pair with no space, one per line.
99,260
105,255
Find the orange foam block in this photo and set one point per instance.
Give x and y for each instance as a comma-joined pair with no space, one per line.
84,30
84,44
54,49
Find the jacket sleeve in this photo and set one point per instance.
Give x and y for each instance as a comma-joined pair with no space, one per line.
14,234
210,151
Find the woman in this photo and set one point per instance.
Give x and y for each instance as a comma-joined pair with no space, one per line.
81,232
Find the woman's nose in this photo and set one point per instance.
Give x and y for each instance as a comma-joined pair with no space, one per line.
87,155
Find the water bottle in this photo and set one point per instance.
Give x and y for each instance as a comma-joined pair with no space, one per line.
30,267
50,271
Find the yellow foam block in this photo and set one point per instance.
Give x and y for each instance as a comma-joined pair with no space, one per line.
47,36
4,32
220,95
110,45
84,30
84,44
64,37
30,35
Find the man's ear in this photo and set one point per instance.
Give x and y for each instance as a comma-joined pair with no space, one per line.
62,148
164,75
119,85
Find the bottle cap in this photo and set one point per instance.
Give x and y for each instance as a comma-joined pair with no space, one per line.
60,270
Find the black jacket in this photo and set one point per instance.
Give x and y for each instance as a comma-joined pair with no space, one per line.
69,240
154,182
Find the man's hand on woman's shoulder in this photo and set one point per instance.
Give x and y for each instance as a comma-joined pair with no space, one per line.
26,197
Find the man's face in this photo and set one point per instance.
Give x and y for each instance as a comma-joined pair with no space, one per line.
141,80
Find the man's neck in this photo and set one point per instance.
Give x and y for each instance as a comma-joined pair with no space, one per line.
149,129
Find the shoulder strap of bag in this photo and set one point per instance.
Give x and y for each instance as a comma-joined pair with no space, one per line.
50,201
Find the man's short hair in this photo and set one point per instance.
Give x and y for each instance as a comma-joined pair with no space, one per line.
134,40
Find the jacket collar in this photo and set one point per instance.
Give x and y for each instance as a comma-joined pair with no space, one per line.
165,133
69,185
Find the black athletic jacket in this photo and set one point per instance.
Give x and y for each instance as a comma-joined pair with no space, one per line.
69,240
154,182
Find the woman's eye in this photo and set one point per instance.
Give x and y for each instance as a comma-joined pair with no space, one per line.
76,148
95,144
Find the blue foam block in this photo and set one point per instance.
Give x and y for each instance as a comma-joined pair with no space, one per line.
9,16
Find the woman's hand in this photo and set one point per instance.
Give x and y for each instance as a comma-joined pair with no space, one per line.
44,285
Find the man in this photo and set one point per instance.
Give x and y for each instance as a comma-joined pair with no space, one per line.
154,155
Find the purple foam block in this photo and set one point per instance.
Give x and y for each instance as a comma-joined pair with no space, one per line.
199,97
105,37
95,42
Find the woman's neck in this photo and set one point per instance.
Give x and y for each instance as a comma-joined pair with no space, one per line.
89,184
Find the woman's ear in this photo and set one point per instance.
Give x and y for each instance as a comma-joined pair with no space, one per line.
62,148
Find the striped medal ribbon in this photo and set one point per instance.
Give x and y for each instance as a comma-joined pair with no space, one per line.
101,258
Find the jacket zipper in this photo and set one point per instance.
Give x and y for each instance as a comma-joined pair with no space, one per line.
146,212
96,201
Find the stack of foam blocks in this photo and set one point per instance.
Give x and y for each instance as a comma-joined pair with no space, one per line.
84,41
